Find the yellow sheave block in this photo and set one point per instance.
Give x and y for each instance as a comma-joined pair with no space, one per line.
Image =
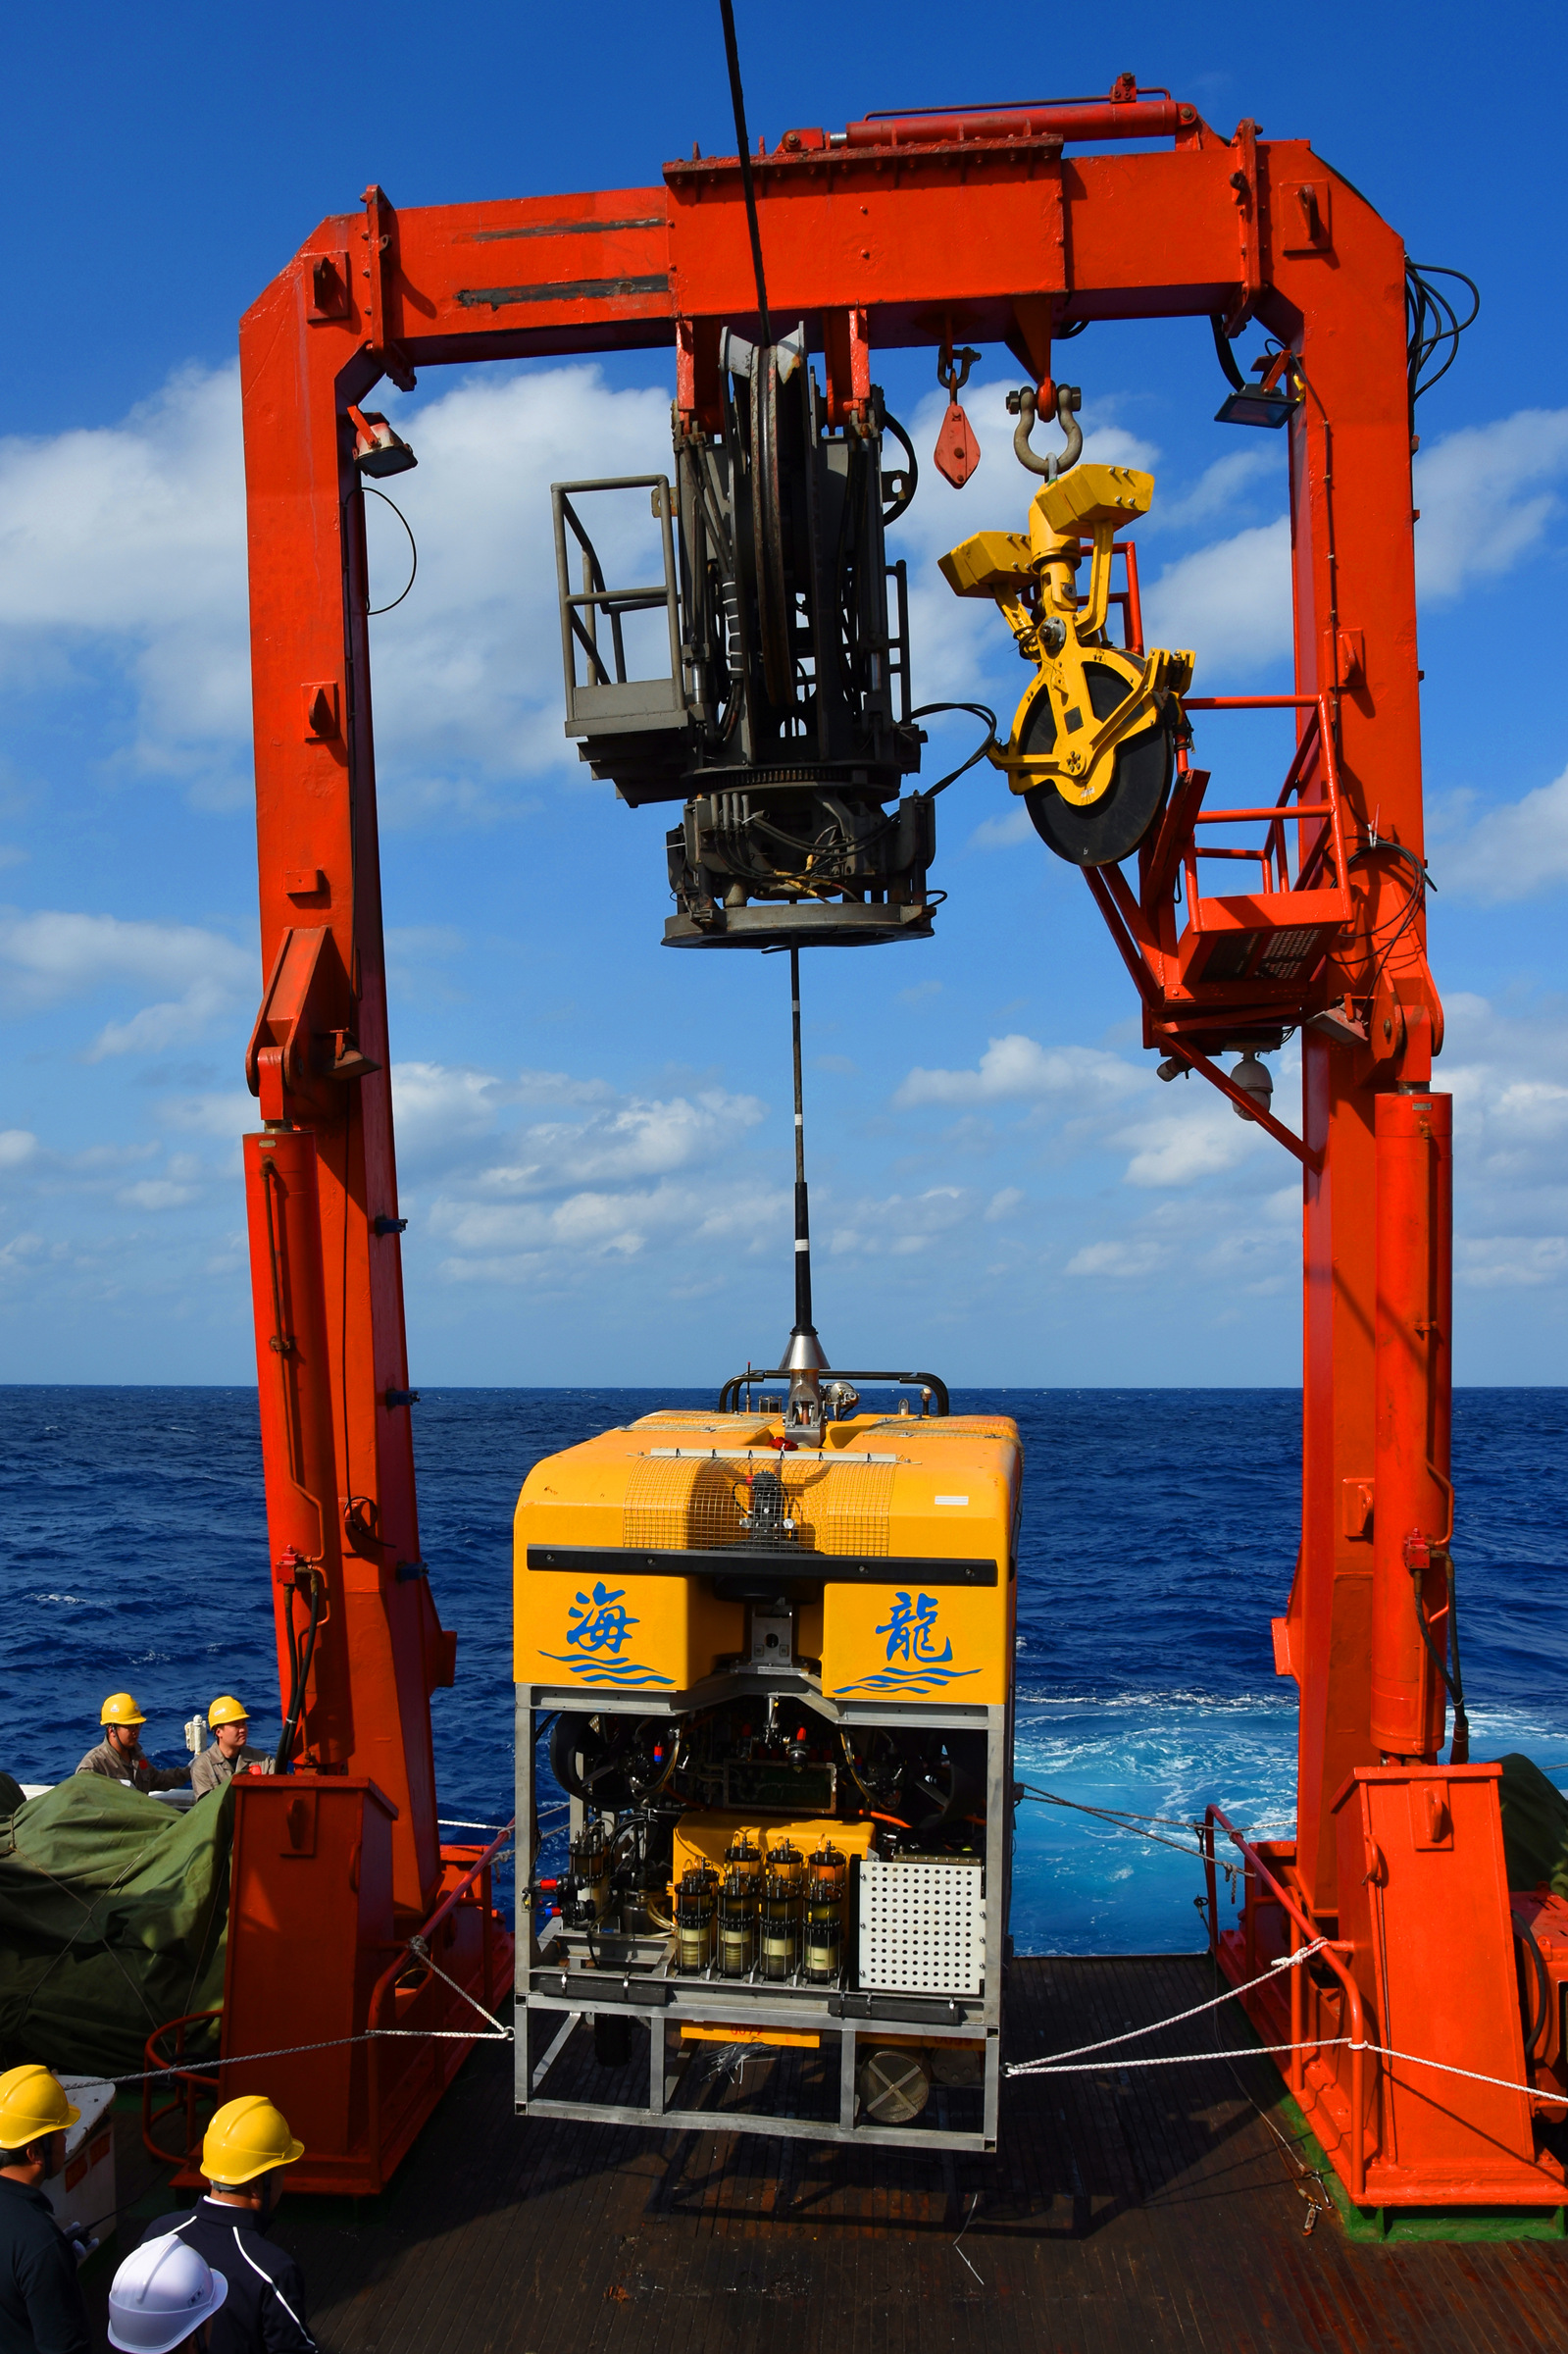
1092,494
987,565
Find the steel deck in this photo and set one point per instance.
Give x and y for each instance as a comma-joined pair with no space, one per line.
1138,2209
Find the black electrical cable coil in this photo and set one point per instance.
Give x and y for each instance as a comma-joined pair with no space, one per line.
1433,322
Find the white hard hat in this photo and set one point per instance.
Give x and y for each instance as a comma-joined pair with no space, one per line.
161,2294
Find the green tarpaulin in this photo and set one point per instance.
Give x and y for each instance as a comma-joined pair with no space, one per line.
114,1910
1535,1826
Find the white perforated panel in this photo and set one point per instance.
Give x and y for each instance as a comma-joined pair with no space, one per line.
923,1925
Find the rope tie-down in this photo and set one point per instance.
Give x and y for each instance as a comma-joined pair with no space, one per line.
1076,2063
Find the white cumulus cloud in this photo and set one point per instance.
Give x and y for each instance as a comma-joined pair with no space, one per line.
1229,602
1018,1068
1487,494
1517,851
200,977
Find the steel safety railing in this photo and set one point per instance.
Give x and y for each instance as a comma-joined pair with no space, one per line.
581,610
199,2083
417,1959
1302,1931
1314,759
188,2087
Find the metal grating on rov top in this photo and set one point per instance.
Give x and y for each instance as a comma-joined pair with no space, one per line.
923,1925
676,1504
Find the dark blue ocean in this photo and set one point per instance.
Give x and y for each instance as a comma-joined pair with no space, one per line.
1159,1535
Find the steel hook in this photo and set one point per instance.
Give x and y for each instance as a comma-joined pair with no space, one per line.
953,367
1022,405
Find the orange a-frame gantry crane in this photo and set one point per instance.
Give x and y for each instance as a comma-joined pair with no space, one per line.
1001,227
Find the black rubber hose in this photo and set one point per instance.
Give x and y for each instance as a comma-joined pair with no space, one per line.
980,712
1225,356
901,506
1459,1748
299,1673
1535,2031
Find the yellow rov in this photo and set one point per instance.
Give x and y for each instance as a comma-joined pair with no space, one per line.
774,1658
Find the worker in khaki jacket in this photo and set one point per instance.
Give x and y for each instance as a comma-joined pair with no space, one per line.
216,1768
246,2147
41,2309
118,1757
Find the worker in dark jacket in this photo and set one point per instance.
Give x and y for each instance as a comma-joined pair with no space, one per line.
246,2147
41,2311
216,1768
117,1756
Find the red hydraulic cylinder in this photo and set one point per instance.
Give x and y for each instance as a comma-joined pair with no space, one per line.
283,1213
1154,117
1413,1395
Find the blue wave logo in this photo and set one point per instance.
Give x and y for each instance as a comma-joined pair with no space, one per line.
630,1674
914,1680
914,1663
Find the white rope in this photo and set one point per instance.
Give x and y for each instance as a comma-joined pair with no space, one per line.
1319,2043
1075,2062
422,1953
1471,2076
1088,2068
1038,2067
195,2067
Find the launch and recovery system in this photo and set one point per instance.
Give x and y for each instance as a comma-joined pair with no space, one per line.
768,1649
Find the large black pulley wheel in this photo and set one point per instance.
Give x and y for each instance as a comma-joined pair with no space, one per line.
1101,833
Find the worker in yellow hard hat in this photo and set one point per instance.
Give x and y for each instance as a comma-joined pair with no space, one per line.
216,1768
40,2299
247,2145
118,1756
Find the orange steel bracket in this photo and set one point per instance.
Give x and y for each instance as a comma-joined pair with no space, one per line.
996,228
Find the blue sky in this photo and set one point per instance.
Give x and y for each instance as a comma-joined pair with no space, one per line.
593,1132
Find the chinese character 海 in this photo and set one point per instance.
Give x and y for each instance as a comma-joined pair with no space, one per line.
603,1621
911,1631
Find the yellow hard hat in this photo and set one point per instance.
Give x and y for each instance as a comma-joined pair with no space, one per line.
121,1709
33,2104
226,1710
247,2138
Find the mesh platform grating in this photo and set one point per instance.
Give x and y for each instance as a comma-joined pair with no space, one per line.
680,1505
921,1926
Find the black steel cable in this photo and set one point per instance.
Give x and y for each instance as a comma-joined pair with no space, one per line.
738,100
803,1323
